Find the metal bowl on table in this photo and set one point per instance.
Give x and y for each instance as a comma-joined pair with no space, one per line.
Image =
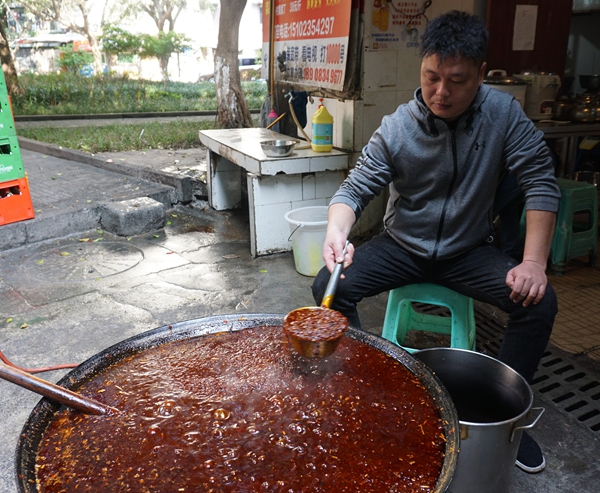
278,148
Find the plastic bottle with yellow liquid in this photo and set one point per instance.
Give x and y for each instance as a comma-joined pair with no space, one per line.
322,129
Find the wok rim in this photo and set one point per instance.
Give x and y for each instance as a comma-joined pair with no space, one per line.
39,418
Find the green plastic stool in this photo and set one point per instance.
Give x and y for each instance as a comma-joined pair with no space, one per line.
400,316
573,238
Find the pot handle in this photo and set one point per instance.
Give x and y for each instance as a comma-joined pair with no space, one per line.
540,411
501,73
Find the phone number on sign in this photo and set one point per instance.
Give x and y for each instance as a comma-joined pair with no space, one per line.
305,29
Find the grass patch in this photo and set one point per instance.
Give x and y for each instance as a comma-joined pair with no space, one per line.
71,94
122,137
68,94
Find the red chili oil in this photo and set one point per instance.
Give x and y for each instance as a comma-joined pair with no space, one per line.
241,412
315,324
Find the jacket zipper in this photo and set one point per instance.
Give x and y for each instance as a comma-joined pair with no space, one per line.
448,195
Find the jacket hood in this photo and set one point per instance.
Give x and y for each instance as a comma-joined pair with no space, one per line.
468,117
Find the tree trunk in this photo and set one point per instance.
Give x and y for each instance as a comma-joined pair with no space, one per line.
163,61
96,53
233,111
8,65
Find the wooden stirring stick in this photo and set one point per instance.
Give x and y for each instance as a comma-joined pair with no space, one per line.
54,392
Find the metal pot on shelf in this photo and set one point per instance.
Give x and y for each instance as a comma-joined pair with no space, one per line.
583,112
562,110
596,105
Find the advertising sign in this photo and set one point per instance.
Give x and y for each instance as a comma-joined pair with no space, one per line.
310,41
394,25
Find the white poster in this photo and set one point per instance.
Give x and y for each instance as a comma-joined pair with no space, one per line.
524,28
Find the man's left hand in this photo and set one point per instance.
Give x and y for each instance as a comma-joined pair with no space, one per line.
528,282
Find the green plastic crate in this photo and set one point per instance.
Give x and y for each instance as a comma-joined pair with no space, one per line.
7,122
11,162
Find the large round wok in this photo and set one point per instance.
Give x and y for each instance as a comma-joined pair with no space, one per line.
42,414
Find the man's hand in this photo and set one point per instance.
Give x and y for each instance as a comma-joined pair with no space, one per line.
528,282
340,221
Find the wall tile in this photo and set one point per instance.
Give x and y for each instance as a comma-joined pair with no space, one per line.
380,68
272,230
328,183
308,187
278,189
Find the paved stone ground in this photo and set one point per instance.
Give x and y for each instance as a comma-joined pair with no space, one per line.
57,308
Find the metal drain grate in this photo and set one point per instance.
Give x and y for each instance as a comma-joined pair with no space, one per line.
570,388
559,381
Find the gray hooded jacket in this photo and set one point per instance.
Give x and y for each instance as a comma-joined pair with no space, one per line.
442,181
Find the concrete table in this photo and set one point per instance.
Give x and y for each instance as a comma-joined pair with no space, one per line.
275,185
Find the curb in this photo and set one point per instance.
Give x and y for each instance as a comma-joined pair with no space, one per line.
181,185
110,116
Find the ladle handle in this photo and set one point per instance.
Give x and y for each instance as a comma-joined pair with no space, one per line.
334,280
51,391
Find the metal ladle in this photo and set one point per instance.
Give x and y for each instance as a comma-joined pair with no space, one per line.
310,347
52,391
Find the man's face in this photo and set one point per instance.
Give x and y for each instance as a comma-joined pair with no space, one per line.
449,87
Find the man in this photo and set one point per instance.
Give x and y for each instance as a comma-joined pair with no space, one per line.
442,155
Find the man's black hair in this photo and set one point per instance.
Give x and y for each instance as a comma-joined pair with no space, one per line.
455,34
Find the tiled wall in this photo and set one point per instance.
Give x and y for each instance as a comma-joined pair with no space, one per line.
270,197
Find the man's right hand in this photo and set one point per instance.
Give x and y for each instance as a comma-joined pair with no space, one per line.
339,222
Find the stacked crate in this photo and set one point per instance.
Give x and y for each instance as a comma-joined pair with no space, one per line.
15,199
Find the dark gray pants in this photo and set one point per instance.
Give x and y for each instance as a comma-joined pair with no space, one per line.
381,264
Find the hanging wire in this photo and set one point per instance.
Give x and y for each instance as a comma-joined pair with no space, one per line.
36,370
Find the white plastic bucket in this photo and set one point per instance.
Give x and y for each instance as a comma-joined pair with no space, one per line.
307,232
